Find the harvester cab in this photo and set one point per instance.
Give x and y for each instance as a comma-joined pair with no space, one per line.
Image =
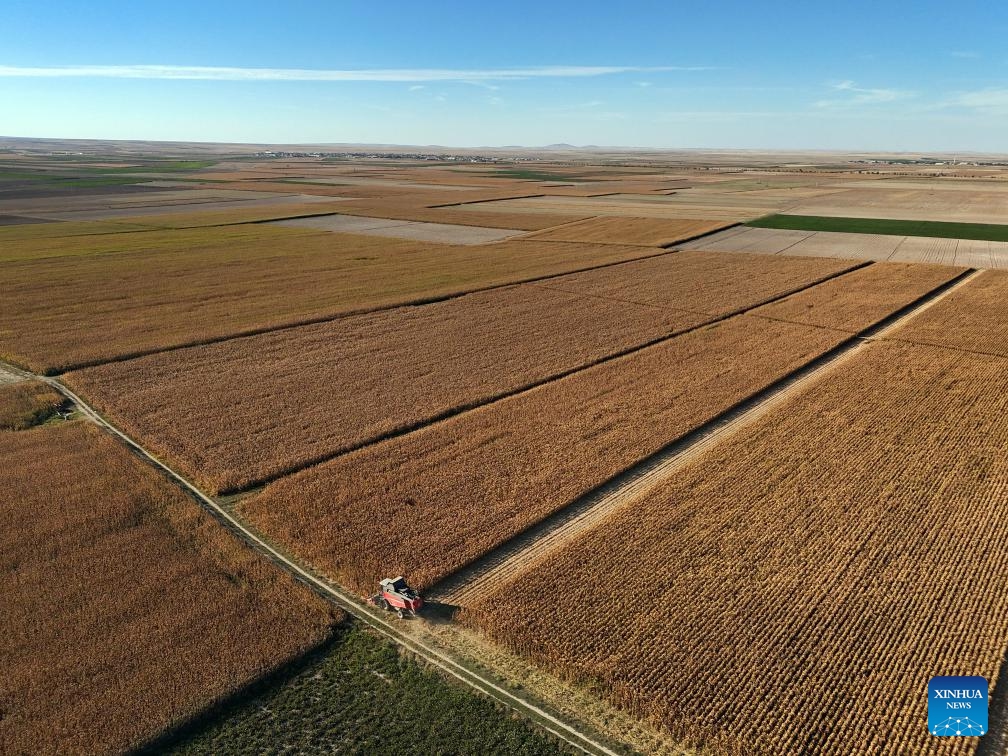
395,595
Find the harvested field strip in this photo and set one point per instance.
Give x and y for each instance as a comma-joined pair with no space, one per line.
144,303
123,599
653,232
704,282
861,298
786,563
448,357
487,574
886,226
310,393
521,458
25,404
973,319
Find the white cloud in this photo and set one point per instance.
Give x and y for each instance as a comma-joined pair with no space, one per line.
855,95
416,87
217,73
989,101
967,54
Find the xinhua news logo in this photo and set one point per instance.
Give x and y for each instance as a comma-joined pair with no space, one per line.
957,706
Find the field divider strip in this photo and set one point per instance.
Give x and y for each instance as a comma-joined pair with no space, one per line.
342,598
481,201
447,414
695,237
528,548
417,302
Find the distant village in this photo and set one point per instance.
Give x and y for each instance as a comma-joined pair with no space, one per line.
438,157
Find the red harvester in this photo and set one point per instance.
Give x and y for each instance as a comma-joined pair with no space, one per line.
394,594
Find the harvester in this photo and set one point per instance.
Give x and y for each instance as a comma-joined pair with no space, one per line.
395,595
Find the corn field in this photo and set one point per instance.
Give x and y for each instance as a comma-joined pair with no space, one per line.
861,298
428,503
794,590
126,608
954,323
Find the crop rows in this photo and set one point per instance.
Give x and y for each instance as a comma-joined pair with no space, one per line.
430,502
973,318
861,298
25,404
718,284
126,608
119,295
308,393
645,231
244,411
793,590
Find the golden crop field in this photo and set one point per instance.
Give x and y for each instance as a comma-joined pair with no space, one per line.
707,282
25,404
305,394
973,318
615,230
428,503
861,298
126,608
846,547
118,295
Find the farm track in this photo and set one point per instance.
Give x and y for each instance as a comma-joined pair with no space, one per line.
525,550
353,605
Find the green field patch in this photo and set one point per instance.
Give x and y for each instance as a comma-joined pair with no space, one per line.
886,226
359,695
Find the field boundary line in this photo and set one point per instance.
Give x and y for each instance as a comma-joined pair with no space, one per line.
448,414
528,548
331,318
354,606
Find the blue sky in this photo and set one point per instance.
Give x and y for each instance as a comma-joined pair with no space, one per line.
853,75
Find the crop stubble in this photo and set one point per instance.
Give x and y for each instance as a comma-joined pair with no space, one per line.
781,576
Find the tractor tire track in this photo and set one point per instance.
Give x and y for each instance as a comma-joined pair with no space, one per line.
530,547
